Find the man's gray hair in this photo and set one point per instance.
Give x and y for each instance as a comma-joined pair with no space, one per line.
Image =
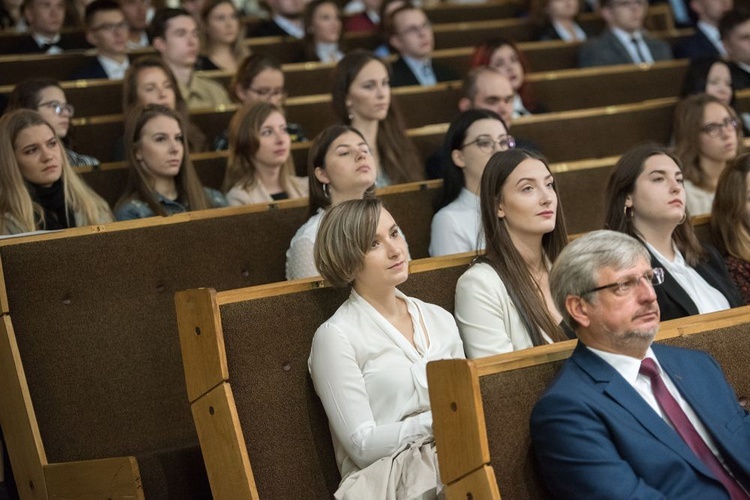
577,267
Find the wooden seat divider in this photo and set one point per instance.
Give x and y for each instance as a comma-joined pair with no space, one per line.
262,429
481,408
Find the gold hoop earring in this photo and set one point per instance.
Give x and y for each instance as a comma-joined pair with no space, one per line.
326,191
625,212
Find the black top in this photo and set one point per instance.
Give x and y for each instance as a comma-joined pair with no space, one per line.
57,215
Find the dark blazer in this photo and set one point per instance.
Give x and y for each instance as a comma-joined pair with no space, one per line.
740,77
674,302
401,74
27,44
92,71
548,32
267,28
695,46
595,437
606,50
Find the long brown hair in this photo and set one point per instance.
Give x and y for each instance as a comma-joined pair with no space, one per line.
622,183
729,224
503,255
688,126
398,156
240,50
189,188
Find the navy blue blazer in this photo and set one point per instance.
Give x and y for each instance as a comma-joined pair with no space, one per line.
606,49
91,71
695,46
674,302
594,436
401,74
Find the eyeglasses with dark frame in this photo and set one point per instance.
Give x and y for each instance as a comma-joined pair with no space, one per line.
59,108
267,93
652,278
488,145
714,129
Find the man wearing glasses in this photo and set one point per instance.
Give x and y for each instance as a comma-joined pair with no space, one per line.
625,418
410,33
623,41
107,30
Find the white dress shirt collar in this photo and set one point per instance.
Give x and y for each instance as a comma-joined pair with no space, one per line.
290,27
713,35
417,66
114,70
626,39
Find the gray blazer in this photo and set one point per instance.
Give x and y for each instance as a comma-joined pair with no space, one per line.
606,49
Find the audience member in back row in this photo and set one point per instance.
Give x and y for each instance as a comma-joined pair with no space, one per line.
223,37
149,81
340,168
260,167
362,98
708,136
557,20
174,34
45,20
470,141
734,27
162,180
286,20
646,199
10,14
503,56
106,30
410,33
48,98
706,42
136,15
322,32
730,222
367,21
503,302
623,41
368,361
38,189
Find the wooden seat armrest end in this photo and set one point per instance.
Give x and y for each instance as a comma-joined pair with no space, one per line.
458,418
114,478
223,445
479,485
201,341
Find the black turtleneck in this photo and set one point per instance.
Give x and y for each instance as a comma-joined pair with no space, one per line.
52,201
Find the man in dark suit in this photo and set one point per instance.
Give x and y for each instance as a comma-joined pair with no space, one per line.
735,34
625,418
623,42
706,42
107,30
45,19
410,33
286,20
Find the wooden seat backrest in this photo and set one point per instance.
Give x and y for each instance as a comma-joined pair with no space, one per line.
481,408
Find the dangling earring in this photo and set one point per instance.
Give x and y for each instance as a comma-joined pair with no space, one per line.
684,218
625,211
326,191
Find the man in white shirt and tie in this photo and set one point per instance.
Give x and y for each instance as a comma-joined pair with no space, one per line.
623,41
625,418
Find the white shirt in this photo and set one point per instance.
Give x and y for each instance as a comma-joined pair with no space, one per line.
626,40
486,315
114,70
140,44
42,40
518,108
422,69
565,34
629,368
699,201
457,227
373,382
713,35
328,52
294,30
706,298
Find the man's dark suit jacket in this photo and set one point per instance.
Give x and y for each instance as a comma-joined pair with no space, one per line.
27,44
695,46
401,74
595,437
740,77
606,49
91,71
674,302
267,28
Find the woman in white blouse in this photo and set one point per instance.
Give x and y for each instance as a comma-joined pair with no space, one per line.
646,199
260,167
503,302
340,168
368,361
470,141
708,135
323,27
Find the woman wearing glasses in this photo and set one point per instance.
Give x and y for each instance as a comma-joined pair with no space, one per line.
46,96
646,199
38,189
469,143
362,98
708,136
260,167
503,302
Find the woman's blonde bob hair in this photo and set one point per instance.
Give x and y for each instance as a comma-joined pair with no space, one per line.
19,211
346,233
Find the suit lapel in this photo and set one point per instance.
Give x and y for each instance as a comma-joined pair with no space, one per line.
623,394
618,47
673,289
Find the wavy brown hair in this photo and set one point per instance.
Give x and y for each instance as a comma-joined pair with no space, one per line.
729,221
